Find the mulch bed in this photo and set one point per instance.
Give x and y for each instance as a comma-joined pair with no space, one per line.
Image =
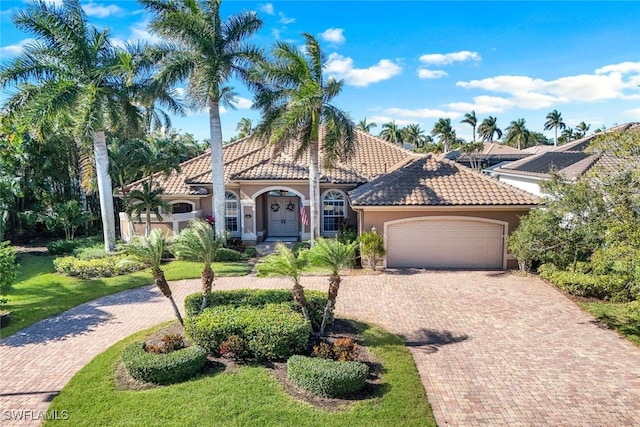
341,329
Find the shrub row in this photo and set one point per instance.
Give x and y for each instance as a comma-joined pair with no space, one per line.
316,301
163,368
271,332
607,287
228,255
96,267
66,247
325,377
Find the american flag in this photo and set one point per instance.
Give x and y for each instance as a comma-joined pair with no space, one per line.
303,215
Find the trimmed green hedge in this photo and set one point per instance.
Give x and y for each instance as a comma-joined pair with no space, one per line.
325,377
606,287
272,332
228,255
96,267
316,301
164,368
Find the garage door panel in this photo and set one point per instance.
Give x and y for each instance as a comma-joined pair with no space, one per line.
425,243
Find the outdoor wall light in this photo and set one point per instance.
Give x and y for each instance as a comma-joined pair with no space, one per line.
373,229
247,216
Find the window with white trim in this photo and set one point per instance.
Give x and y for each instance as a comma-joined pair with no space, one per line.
231,212
333,210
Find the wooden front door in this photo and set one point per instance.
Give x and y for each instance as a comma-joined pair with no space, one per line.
283,216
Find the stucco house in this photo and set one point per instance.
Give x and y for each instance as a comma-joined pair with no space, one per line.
268,198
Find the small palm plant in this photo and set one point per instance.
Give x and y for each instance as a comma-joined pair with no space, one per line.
285,263
199,243
149,251
334,255
372,247
147,200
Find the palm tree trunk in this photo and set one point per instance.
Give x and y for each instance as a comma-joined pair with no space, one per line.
147,229
332,295
555,141
163,285
105,190
314,189
217,166
207,281
298,296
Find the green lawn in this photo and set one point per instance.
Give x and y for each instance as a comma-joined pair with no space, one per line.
248,396
39,292
623,317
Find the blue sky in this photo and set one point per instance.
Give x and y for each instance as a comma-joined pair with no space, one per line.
417,61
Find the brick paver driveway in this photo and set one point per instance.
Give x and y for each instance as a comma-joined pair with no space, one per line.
491,348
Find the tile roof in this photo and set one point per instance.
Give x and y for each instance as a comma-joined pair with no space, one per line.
251,159
426,181
570,160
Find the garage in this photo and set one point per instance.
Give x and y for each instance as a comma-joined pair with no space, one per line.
445,242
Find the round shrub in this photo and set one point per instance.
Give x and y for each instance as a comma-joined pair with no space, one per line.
251,252
272,332
316,301
62,247
163,368
326,377
228,255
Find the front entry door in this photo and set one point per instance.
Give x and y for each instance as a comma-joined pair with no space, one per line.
283,216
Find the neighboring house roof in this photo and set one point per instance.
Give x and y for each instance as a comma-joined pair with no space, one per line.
426,181
251,159
569,160
490,150
537,149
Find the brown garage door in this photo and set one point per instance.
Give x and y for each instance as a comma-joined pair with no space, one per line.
445,243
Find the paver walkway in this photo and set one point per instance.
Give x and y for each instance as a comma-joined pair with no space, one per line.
491,348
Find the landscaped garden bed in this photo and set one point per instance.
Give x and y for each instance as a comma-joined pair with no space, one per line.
228,392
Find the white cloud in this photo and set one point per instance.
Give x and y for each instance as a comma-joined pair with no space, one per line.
634,113
424,73
333,35
102,11
275,33
140,32
54,2
267,8
607,83
449,58
421,113
343,68
380,120
284,20
14,49
243,103
483,105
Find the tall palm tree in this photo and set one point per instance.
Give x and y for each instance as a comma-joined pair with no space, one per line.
244,127
554,121
582,129
73,70
445,133
336,256
206,52
365,126
295,100
198,243
149,251
391,132
517,133
471,120
283,262
488,128
147,200
414,135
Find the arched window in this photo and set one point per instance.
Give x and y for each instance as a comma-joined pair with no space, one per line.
333,210
231,211
178,208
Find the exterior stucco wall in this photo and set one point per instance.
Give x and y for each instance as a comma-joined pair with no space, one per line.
376,218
